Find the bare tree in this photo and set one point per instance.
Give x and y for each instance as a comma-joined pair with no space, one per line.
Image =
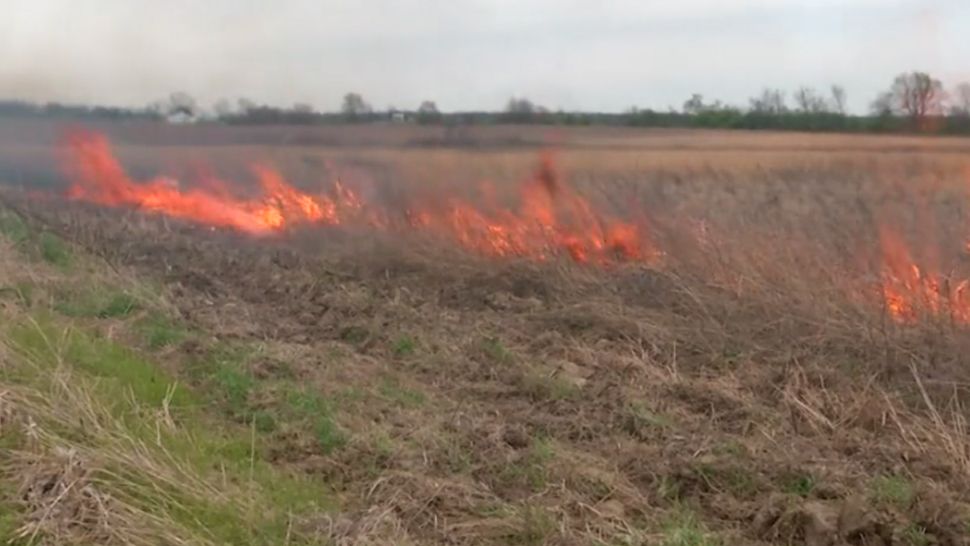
428,107
694,105
771,101
354,105
181,105
883,105
222,108
245,105
915,95
808,100
521,106
838,99
428,112
960,100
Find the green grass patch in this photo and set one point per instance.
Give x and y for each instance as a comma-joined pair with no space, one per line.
392,390
540,386
404,346
736,479
669,489
496,351
355,335
8,523
457,454
123,372
683,528
22,292
224,375
118,305
234,385
915,535
225,493
639,420
13,227
892,490
160,332
313,408
541,453
54,250
96,303
537,525
799,485
267,405
533,469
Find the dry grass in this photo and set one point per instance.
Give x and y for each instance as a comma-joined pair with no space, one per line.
748,390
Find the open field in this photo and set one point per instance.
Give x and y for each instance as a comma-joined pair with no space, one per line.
781,360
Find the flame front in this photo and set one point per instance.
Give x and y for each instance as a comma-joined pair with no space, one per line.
550,219
99,178
910,291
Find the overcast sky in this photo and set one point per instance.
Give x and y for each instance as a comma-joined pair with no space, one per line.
472,54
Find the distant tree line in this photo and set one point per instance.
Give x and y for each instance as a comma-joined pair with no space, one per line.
914,102
25,109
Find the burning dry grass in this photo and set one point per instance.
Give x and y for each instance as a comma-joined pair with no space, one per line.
752,387
550,217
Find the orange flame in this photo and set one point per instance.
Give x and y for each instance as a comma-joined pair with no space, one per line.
910,292
551,218
99,178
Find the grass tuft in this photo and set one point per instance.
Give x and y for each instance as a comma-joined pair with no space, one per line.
13,227
915,535
892,490
683,528
96,303
540,387
800,485
495,350
392,390
54,250
160,332
404,346
311,407
537,525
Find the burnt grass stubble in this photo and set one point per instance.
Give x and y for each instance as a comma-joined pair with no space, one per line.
602,400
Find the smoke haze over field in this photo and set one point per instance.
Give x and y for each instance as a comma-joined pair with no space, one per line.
472,54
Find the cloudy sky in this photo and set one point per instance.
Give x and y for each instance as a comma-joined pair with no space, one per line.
472,54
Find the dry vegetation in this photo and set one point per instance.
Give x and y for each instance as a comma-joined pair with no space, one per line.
162,383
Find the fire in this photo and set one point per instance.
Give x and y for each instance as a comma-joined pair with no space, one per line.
550,218
910,291
99,178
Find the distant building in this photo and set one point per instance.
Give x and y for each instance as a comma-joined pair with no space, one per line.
399,116
180,116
